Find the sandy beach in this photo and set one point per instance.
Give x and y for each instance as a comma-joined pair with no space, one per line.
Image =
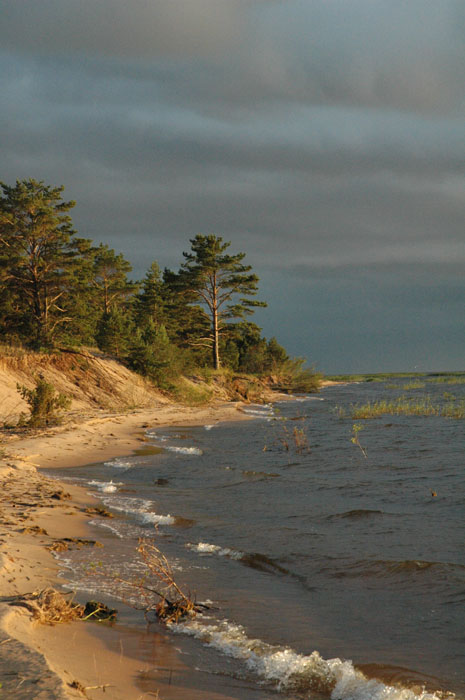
76,659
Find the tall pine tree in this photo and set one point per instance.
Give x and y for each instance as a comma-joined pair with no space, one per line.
220,283
38,259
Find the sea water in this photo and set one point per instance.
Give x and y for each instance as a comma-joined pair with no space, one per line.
329,570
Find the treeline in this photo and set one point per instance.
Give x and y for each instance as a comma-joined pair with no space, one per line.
60,290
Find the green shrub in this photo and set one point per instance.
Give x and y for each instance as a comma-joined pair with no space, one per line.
45,405
294,378
192,395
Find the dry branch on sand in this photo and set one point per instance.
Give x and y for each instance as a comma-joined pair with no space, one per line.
48,606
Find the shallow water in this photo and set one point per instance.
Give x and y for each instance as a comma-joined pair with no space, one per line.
310,556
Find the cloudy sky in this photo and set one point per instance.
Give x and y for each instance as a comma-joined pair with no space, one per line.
324,138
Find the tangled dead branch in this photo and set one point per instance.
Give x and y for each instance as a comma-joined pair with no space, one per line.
49,607
172,603
157,591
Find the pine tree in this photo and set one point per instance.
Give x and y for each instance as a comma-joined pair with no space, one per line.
149,302
110,279
115,333
185,321
38,259
220,283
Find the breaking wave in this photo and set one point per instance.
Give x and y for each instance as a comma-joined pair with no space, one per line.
106,486
290,671
140,509
119,464
259,411
257,561
183,450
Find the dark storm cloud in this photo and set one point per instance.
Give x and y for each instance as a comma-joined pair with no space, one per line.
320,137
372,52
142,28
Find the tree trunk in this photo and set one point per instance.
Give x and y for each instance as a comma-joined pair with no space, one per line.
216,349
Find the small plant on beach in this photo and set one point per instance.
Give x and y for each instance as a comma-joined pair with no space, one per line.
44,403
356,428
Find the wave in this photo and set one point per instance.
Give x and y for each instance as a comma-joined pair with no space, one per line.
379,568
119,463
356,514
183,450
155,519
259,411
252,475
290,671
140,509
106,486
206,548
257,561
107,526
301,399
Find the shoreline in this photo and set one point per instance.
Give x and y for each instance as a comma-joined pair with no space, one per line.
36,511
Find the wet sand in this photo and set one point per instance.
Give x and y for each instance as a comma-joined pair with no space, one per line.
45,662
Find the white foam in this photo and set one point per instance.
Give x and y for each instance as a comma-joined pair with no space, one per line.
156,435
106,486
206,548
119,464
209,427
264,412
292,671
184,450
148,518
140,508
99,523
301,399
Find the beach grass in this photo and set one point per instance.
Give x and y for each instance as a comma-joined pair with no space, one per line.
448,379
191,394
407,406
436,377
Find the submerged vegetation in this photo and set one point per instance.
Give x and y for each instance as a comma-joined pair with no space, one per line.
418,378
62,292
404,406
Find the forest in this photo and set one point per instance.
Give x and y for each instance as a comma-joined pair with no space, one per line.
62,292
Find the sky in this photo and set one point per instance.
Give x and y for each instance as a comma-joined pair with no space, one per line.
323,138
